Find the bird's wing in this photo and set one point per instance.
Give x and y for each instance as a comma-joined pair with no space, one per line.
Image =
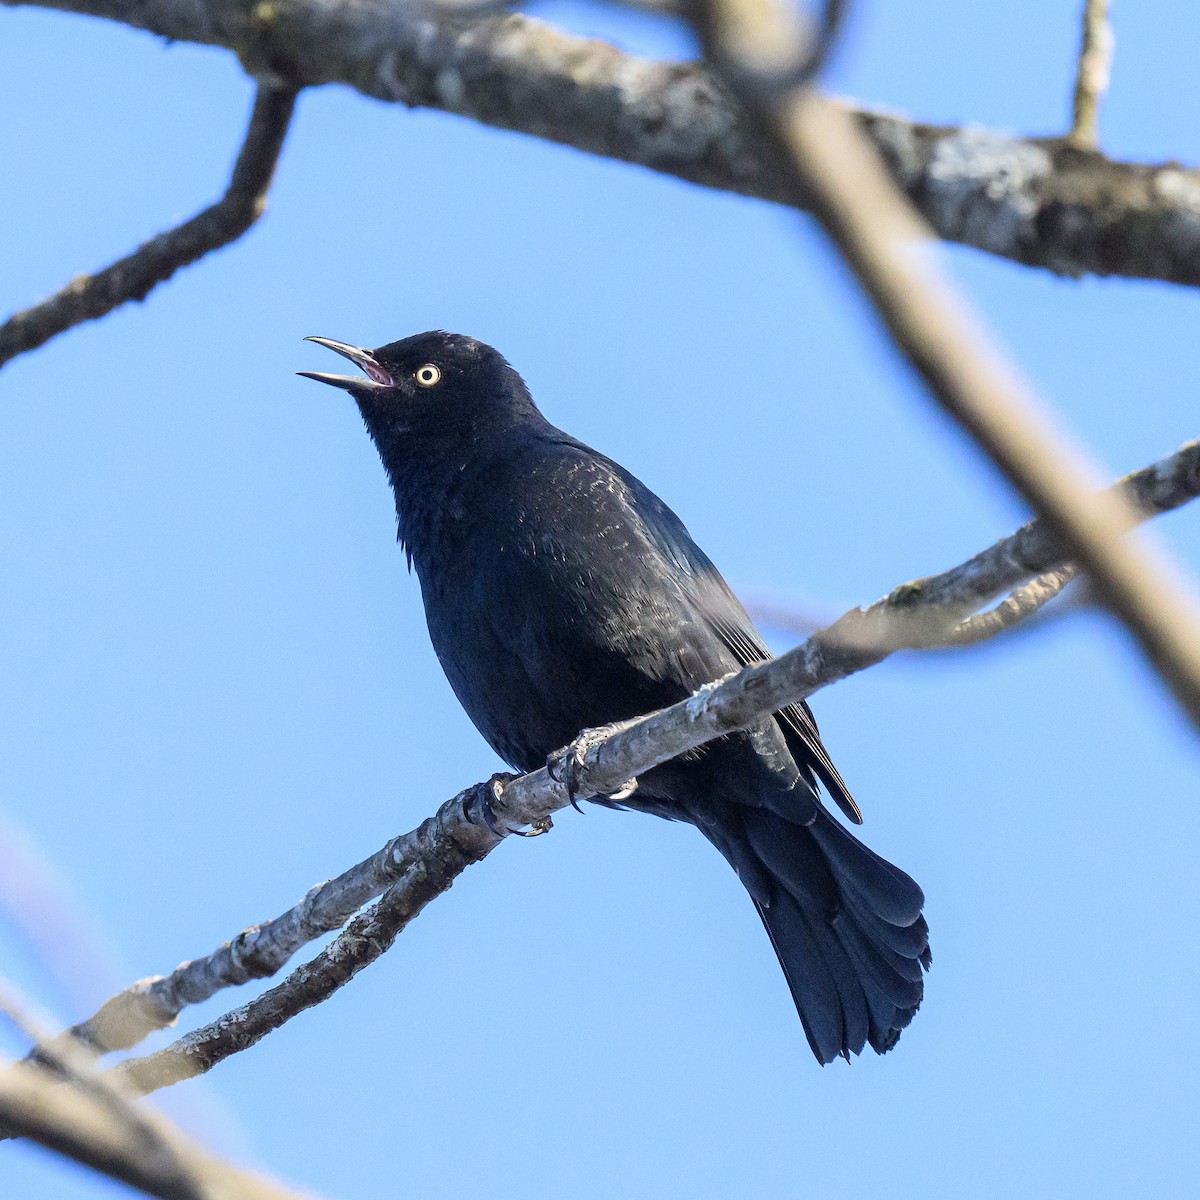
724,614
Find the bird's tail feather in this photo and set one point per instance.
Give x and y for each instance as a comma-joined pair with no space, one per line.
846,926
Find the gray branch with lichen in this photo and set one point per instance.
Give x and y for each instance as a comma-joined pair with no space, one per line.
1039,201
416,867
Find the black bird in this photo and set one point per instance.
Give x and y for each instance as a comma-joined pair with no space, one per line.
562,594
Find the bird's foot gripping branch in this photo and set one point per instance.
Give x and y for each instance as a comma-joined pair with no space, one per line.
485,798
566,765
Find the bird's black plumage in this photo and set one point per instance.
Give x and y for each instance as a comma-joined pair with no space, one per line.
562,594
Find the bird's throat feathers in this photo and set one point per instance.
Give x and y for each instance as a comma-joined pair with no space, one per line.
437,463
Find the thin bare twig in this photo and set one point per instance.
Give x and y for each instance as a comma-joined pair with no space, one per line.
420,865
133,277
1091,74
1015,608
826,159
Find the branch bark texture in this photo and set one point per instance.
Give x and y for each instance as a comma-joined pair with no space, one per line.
413,868
1044,202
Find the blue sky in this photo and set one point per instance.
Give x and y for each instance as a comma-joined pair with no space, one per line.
216,687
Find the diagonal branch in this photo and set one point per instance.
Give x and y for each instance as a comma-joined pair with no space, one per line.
133,277
83,1128
432,857
146,1140
410,870
95,1121
825,159
1038,201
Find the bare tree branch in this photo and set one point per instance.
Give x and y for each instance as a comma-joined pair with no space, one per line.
827,160
94,1120
80,1127
414,867
133,277
72,1062
1091,74
433,856
1039,201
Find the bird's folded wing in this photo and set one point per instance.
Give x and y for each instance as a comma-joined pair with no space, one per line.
724,613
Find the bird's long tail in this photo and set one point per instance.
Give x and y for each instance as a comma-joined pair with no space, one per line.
845,923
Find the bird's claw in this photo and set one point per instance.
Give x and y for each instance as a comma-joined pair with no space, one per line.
487,792
563,766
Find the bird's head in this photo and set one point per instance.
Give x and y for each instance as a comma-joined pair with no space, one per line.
436,385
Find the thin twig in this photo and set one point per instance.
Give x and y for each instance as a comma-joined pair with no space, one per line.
1091,74
1014,610
133,277
422,864
827,160
1018,606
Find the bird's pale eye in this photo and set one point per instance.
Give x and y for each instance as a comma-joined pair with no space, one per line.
428,375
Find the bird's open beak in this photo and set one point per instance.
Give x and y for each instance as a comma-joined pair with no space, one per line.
362,359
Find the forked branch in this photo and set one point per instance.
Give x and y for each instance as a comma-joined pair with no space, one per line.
413,868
